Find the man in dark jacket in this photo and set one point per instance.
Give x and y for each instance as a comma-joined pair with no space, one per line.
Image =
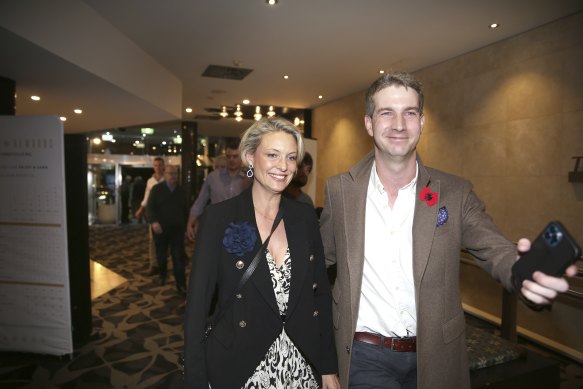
167,212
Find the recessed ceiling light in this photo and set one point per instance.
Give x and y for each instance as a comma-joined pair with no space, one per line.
320,97
189,110
78,111
35,98
285,77
494,25
271,2
246,101
381,71
63,119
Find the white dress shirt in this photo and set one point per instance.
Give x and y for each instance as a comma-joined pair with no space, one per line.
387,299
149,185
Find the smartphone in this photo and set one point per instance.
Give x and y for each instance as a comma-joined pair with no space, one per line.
551,253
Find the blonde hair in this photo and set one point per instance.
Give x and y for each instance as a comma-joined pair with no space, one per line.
253,135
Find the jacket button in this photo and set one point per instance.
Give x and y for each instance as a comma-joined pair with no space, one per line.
314,285
242,324
316,313
240,264
239,295
311,257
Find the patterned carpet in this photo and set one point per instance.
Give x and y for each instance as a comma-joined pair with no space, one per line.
137,327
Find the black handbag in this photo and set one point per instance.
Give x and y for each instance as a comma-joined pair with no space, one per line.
244,278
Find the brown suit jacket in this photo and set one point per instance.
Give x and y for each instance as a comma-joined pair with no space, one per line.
441,348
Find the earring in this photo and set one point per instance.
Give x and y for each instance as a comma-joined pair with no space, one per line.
250,171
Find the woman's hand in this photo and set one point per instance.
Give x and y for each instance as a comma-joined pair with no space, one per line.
330,381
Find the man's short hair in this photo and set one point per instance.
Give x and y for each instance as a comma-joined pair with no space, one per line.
233,144
391,79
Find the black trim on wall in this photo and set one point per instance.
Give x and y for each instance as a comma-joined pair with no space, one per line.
7,96
78,235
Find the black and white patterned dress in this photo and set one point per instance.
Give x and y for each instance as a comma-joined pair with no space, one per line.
283,365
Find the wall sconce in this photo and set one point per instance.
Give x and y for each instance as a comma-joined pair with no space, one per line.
576,175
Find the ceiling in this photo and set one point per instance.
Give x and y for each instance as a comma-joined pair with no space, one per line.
136,62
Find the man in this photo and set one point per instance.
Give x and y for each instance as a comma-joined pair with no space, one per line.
220,162
395,228
167,212
294,189
220,185
137,191
124,191
156,178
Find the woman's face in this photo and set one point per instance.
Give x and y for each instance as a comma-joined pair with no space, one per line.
275,161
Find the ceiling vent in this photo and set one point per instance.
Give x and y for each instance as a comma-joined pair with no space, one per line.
226,72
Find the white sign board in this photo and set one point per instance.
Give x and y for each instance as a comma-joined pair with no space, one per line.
35,313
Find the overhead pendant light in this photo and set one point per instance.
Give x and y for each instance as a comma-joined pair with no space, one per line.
238,113
271,112
257,114
224,112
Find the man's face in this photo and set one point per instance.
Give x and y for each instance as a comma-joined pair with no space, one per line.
171,175
396,123
301,178
233,160
158,167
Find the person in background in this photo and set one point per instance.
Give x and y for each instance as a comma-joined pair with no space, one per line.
167,212
137,191
156,178
395,229
294,189
220,185
276,330
124,191
220,162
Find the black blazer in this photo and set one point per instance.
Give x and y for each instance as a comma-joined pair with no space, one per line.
241,338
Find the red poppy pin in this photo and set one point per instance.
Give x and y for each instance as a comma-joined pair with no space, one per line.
429,197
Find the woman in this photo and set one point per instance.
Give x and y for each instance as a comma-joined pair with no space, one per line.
276,330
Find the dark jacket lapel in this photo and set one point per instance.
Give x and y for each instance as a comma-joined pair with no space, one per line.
298,247
261,277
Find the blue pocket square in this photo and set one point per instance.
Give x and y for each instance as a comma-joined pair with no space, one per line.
442,216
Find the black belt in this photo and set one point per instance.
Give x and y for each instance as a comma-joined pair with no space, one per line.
406,344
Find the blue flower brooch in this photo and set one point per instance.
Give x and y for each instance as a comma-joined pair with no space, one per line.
239,238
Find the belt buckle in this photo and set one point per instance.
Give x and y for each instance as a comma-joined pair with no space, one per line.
404,344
